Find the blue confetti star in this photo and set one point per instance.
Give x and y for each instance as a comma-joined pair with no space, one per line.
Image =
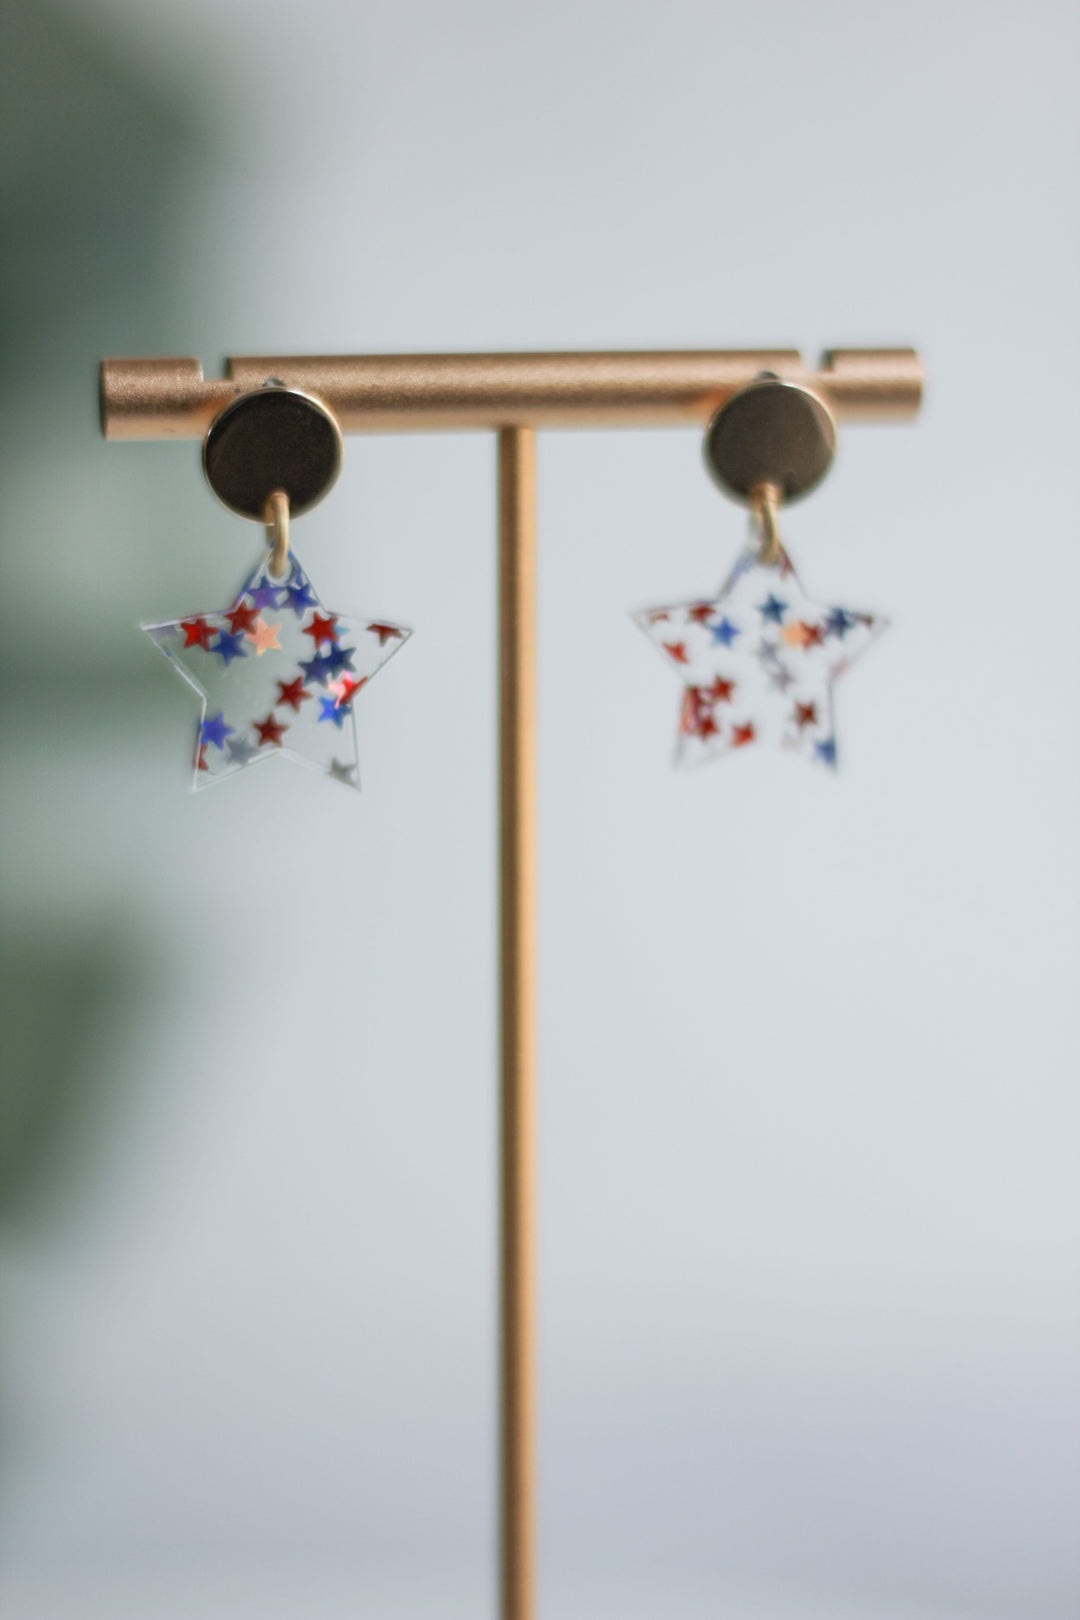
725,632
215,730
300,598
229,646
772,610
826,751
339,658
838,622
316,669
333,710
266,596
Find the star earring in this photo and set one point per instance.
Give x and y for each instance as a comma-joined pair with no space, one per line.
760,659
276,672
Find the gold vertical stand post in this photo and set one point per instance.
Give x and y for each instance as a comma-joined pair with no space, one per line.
517,986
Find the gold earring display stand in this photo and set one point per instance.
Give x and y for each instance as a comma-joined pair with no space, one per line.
512,395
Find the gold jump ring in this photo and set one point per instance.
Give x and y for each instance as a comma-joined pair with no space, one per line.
765,500
276,518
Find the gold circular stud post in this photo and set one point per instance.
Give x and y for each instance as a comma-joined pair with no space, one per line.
772,442
270,440
773,432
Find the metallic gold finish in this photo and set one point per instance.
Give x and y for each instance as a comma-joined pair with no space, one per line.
517,958
772,432
765,500
276,518
386,393
159,399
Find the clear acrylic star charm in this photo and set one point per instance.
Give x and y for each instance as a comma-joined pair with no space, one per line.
277,674
759,662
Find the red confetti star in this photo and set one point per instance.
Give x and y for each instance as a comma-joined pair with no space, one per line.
322,629
384,632
805,714
695,709
742,735
699,613
346,689
697,719
720,691
802,635
202,765
242,618
197,633
676,650
270,731
292,693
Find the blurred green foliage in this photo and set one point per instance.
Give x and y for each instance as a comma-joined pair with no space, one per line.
100,157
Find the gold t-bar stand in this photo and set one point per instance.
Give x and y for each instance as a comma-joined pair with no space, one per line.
512,395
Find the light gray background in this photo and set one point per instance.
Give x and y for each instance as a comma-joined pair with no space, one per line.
808,1107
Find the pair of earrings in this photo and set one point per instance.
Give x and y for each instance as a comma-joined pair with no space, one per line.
278,673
